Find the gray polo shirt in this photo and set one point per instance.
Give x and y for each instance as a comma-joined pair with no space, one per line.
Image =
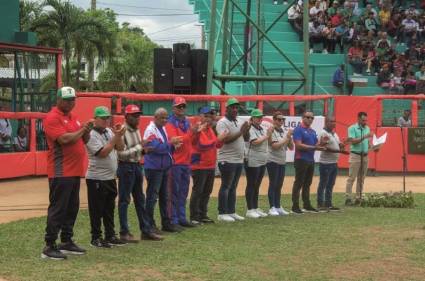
256,155
278,156
101,168
231,152
329,157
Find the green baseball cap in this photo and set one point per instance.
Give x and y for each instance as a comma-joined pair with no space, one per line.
101,111
256,113
66,93
232,101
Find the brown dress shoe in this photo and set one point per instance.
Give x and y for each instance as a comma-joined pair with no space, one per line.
152,236
128,238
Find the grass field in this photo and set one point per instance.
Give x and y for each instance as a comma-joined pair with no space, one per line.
356,244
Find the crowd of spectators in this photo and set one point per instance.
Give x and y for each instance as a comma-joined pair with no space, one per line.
383,38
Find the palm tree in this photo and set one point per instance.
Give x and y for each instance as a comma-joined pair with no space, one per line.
61,25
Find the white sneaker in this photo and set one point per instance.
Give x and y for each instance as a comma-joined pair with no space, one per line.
324,51
282,211
273,211
261,213
252,214
236,217
311,51
225,218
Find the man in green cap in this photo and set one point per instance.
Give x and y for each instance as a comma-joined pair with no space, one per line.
100,178
230,160
65,136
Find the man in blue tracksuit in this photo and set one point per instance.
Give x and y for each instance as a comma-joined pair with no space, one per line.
178,126
158,161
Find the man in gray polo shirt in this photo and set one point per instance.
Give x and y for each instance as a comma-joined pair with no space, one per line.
328,165
100,178
230,160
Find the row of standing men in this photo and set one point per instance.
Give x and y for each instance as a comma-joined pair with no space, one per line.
173,151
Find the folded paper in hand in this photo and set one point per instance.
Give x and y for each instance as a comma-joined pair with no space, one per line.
378,142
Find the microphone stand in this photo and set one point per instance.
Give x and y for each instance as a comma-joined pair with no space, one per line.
361,165
404,158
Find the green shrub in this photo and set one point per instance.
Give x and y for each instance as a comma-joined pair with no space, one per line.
389,200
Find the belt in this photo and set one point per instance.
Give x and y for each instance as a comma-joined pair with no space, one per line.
128,162
358,153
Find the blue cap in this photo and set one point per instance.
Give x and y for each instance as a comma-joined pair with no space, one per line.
205,110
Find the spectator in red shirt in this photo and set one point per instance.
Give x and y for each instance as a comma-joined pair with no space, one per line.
355,58
65,165
204,158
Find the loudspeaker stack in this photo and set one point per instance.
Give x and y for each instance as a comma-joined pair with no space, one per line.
180,70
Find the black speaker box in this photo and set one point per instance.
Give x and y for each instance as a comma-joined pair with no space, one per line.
162,71
182,77
181,55
199,61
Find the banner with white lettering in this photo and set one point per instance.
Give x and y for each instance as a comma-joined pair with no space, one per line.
291,122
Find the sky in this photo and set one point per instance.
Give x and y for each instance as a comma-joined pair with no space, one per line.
182,28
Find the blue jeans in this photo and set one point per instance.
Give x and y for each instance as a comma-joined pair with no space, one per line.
178,188
157,188
130,181
276,177
328,174
230,174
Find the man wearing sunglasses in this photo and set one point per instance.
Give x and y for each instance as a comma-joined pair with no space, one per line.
100,177
178,126
306,143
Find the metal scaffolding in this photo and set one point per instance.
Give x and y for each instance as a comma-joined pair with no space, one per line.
255,33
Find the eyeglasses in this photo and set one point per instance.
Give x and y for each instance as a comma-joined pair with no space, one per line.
181,106
309,117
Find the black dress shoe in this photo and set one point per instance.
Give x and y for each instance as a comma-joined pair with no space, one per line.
187,224
156,230
172,228
151,236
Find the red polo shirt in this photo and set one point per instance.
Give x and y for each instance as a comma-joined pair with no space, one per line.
63,160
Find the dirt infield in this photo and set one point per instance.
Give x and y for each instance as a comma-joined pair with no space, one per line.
27,198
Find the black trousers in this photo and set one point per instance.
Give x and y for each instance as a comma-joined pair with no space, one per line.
64,203
254,177
304,171
203,182
101,198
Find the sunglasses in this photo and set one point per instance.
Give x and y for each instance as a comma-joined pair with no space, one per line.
309,117
181,106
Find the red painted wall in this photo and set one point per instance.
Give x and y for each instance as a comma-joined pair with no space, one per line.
346,108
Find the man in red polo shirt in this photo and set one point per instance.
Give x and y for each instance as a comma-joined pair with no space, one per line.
65,165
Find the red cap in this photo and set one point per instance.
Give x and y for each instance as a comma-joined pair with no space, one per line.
178,101
131,109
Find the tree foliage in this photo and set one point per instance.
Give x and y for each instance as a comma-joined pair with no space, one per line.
124,54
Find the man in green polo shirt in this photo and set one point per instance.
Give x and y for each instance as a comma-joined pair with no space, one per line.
358,137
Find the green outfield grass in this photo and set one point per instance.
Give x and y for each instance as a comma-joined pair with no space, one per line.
356,244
